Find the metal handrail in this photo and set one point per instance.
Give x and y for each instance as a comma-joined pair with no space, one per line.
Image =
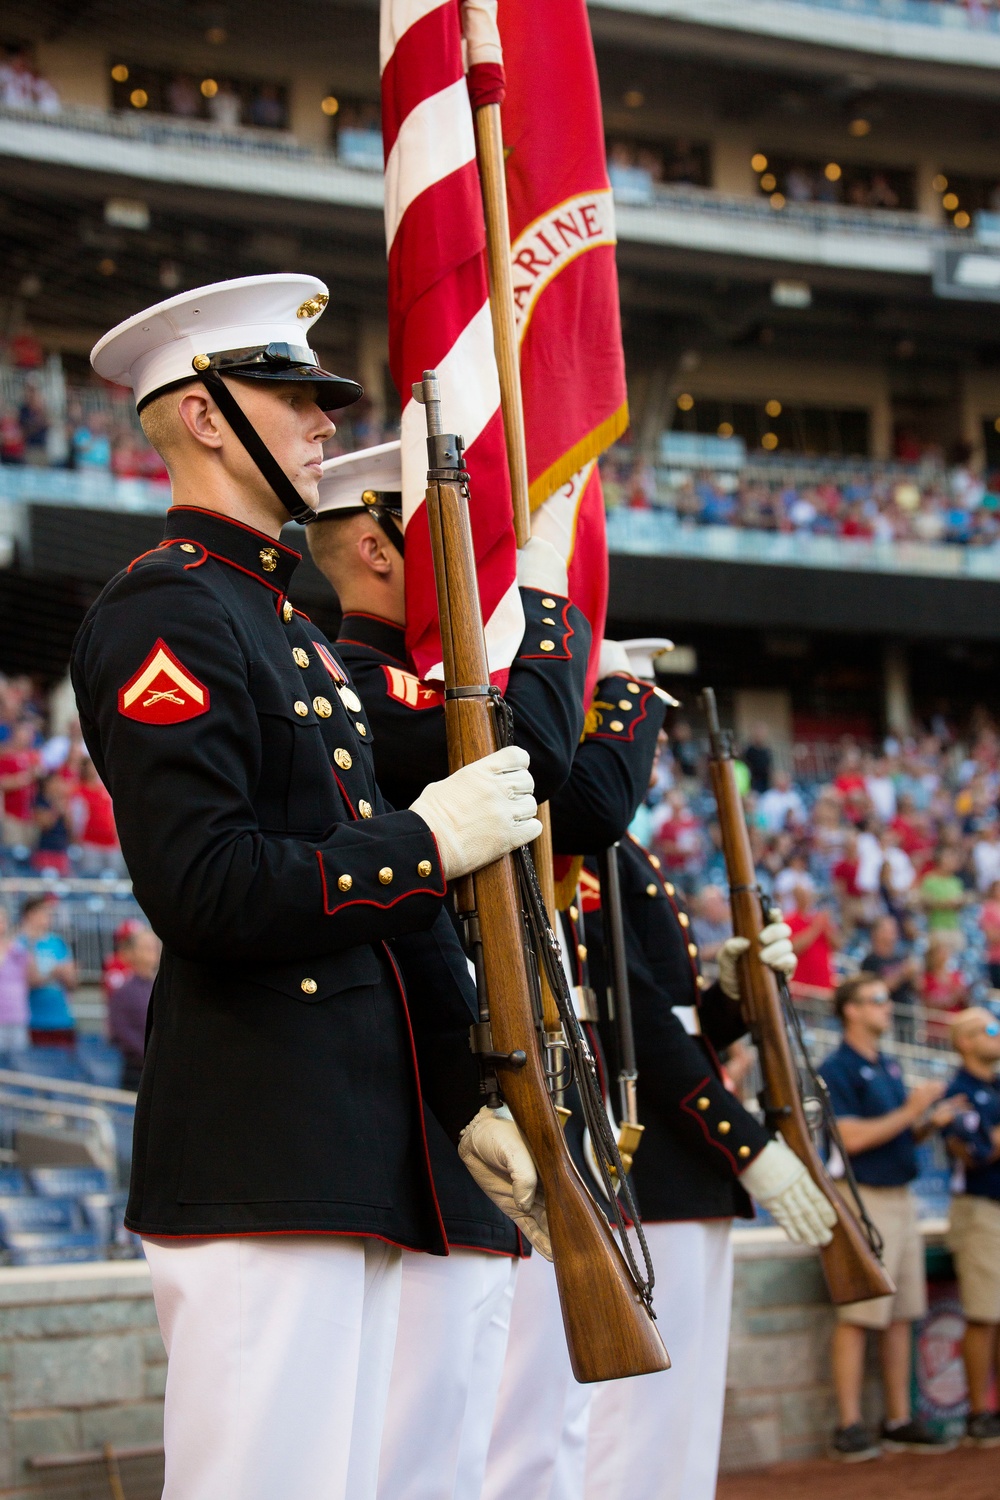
90,1113
99,1093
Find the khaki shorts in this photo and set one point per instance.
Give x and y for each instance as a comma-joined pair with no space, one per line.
974,1241
893,1211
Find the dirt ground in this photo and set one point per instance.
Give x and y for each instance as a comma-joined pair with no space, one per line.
965,1474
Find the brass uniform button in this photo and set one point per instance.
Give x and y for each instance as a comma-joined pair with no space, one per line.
287,612
634,687
654,860
188,547
424,868
385,875
744,1151
301,708
361,729
365,808
652,889
344,760
268,559
625,704
308,986
547,620
702,982
581,952
693,949
548,604
616,725
323,707
546,645
574,915
344,883
300,657
683,919
669,888
201,362
724,1127
703,1103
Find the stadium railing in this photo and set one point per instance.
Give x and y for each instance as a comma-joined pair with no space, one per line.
86,914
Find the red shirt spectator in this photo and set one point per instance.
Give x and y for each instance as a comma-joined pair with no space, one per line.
814,938
20,766
99,821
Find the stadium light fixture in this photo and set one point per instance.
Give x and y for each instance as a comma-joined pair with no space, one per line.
330,105
120,73
833,171
685,401
791,294
759,162
860,127
209,88
138,98
773,408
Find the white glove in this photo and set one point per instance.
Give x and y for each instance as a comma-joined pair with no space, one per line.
613,660
781,1184
775,950
482,811
542,566
497,1155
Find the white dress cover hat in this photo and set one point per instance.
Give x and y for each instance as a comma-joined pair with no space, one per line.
350,478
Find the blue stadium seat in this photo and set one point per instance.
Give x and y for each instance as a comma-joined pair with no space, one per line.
101,1061
37,1215
49,1062
104,1213
68,1182
46,1249
12,1183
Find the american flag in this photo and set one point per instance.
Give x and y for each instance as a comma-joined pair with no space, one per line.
439,314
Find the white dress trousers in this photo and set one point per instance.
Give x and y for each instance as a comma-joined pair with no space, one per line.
656,1437
279,1352
539,1444
454,1318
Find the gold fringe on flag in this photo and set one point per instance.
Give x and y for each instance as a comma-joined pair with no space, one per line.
590,446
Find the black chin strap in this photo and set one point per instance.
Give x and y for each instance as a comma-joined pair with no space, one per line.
257,448
388,525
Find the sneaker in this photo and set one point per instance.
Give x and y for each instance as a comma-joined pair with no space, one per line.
983,1429
854,1444
915,1437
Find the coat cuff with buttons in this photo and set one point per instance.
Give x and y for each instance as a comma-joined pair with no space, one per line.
720,1123
391,859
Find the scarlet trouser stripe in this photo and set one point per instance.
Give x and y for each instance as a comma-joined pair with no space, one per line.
439,311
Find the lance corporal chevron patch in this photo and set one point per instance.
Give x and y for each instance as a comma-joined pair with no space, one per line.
162,691
403,687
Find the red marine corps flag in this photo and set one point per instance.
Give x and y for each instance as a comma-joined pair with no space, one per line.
565,281
439,313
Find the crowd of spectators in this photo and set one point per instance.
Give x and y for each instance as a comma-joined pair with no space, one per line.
891,865
931,505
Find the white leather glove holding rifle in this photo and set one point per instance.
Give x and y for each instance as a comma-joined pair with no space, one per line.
481,812
495,1152
775,951
781,1184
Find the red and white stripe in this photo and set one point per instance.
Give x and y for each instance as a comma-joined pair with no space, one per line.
439,315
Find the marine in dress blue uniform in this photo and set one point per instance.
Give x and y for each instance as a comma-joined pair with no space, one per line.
280,1146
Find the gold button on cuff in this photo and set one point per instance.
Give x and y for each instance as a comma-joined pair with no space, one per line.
188,547
581,952
424,868
634,687
625,704
361,729
344,883
654,860
652,889
308,986
702,1102
683,919
548,604
287,612
365,808
693,949
344,759
546,645
323,707
669,888
300,657
616,725
702,982
301,708
547,620
574,914
744,1151
724,1127
385,875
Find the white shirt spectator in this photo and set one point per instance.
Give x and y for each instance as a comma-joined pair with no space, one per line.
882,791
871,858
777,805
986,861
901,874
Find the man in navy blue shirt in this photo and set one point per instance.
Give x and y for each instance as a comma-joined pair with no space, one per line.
973,1138
880,1124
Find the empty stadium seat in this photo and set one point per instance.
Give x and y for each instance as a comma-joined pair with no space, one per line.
68,1182
50,1248
23,1215
12,1183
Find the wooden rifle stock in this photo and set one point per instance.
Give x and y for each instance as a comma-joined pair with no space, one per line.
853,1271
608,1330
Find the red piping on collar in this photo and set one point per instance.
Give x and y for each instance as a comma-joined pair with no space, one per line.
201,510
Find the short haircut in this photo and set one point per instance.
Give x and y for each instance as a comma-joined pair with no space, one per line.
159,421
848,992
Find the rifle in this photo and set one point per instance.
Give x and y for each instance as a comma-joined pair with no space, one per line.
851,1262
606,1302
619,1002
